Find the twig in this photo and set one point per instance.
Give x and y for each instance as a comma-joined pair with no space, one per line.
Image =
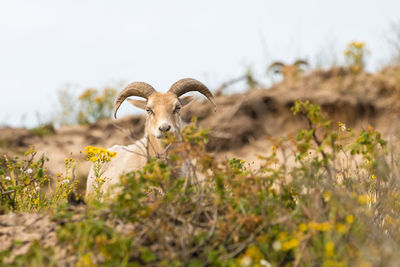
302,247
128,135
134,152
214,224
12,201
244,244
7,192
319,143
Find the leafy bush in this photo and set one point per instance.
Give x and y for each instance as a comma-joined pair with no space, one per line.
96,105
336,204
355,54
92,105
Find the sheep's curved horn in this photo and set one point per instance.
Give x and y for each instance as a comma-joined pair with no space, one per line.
300,62
275,65
187,85
140,89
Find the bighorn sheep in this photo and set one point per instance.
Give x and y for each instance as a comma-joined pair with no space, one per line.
163,115
289,72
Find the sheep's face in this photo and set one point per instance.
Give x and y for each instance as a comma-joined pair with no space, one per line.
163,112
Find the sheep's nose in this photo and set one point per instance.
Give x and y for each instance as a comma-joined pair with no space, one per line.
164,128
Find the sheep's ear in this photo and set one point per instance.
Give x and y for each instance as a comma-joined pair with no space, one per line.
186,100
138,103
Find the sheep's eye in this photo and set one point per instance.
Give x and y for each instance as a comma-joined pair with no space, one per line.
177,109
149,111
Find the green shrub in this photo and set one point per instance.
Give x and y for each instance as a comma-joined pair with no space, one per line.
92,105
355,54
96,105
25,184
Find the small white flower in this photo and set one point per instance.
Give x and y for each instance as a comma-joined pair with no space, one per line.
8,178
66,181
37,188
276,245
343,128
29,170
246,261
265,263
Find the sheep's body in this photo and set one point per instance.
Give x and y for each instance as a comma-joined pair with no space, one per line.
163,116
128,158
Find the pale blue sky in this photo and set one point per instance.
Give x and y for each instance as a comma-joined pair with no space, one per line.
45,45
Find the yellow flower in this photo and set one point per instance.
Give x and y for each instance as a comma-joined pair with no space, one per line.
303,227
325,227
322,227
350,219
85,260
330,249
327,195
359,44
373,176
362,199
288,245
262,239
342,126
341,228
87,94
356,45
99,154
282,236
254,252
30,151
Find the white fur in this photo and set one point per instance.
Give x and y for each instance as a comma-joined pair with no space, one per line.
125,161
